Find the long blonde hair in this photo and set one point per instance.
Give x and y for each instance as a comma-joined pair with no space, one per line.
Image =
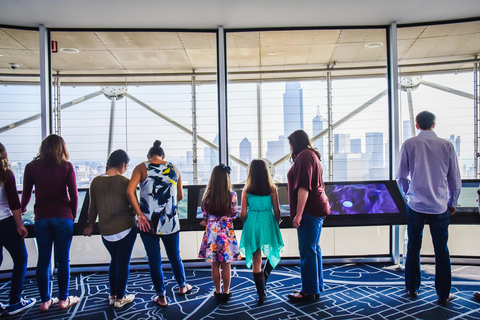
53,151
217,199
4,165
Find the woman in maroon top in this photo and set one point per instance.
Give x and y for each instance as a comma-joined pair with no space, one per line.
308,208
12,233
56,200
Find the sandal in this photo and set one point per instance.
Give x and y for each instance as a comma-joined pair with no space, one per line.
72,300
156,300
189,288
52,302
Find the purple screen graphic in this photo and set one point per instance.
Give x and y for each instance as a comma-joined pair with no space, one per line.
360,199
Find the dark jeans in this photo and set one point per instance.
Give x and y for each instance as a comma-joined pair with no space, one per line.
439,230
58,231
152,247
11,240
311,267
120,252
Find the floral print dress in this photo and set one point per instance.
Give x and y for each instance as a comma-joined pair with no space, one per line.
219,243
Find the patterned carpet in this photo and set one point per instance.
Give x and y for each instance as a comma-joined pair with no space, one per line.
352,291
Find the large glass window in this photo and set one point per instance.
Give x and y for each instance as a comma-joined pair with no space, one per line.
20,126
278,83
437,75
127,89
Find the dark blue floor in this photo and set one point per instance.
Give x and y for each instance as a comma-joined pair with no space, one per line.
352,291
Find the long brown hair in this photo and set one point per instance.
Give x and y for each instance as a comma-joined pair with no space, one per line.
259,181
4,165
53,151
217,199
300,141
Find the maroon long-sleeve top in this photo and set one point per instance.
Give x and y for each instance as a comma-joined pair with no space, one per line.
56,194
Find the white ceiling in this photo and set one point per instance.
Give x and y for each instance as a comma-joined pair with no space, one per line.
230,14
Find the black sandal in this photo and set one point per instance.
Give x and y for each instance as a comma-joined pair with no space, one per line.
218,297
226,297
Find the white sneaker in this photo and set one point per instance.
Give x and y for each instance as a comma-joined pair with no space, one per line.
126,300
111,300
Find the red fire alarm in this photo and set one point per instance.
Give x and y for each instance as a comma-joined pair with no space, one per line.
54,47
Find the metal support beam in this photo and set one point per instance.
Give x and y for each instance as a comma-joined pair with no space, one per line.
259,119
330,126
448,89
222,95
39,115
410,112
112,122
57,106
45,82
183,128
194,130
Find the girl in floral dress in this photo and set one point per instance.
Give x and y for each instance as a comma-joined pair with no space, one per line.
219,245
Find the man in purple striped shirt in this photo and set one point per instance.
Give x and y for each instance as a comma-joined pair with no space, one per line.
432,195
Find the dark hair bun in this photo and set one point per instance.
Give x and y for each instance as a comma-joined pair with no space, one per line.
157,144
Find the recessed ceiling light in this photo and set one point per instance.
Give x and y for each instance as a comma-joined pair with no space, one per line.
1,55
272,53
373,45
69,50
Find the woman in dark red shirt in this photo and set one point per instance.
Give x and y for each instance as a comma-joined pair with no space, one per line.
308,208
56,200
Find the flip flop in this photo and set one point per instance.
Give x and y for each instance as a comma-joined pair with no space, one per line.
156,300
52,302
189,289
72,300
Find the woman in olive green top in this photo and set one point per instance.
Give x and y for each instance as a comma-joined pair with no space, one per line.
116,221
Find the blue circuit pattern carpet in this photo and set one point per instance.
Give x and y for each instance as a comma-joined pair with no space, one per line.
352,291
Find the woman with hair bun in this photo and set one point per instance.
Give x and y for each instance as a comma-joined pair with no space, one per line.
56,200
116,221
160,190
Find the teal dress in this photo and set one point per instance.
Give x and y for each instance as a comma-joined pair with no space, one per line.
261,230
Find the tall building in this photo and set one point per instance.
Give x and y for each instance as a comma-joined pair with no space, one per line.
457,146
211,156
245,155
292,108
407,130
374,145
356,145
319,124
276,150
341,142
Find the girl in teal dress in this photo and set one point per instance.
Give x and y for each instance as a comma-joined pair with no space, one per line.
261,215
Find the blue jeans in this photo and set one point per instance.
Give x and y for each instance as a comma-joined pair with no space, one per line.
11,240
439,230
311,268
58,231
120,252
152,247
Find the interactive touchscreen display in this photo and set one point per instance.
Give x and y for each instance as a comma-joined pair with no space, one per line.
29,217
468,199
360,199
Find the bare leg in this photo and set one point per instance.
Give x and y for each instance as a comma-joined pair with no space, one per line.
257,261
216,276
226,276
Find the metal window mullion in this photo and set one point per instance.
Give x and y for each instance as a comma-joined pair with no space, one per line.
330,126
194,130
394,124
222,95
45,82
477,119
259,119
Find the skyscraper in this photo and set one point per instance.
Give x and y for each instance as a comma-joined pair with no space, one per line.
407,130
319,124
292,108
356,145
374,145
341,142
245,155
